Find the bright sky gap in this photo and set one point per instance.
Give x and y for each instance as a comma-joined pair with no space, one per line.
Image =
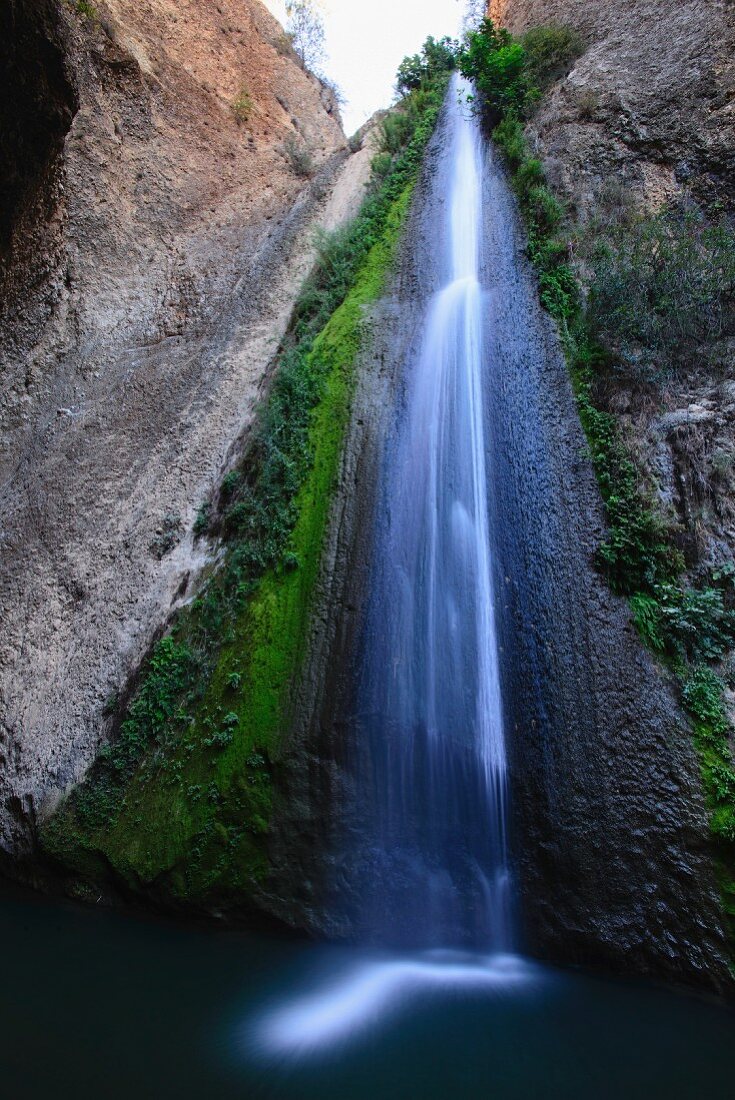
366,42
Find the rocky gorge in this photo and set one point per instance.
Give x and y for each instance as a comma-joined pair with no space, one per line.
198,393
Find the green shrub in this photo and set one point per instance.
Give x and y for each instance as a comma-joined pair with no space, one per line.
661,288
509,136
394,131
638,554
529,174
546,210
496,64
550,53
695,622
242,105
647,618
381,165
702,692
299,156
201,523
436,58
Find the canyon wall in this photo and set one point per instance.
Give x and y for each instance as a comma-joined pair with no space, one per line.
168,161
644,119
641,123
649,104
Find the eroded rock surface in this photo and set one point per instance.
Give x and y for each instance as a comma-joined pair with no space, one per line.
155,232
650,103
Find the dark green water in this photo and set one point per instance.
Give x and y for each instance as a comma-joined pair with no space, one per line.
96,1004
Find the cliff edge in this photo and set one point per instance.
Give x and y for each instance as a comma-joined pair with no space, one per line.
167,164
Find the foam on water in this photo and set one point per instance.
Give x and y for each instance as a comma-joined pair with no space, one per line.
350,1001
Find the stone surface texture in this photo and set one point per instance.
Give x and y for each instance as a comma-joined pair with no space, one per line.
154,234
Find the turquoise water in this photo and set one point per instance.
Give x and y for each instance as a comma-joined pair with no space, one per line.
98,1004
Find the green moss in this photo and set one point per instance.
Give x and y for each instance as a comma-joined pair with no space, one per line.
181,804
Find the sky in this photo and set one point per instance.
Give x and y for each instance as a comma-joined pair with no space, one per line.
366,40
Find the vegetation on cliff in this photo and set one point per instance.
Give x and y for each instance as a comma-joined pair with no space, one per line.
180,803
644,292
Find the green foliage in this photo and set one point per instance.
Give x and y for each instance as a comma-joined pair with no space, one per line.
509,136
299,156
691,624
242,105
637,555
695,622
496,64
201,523
437,58
647,619
86,8
394,131
550,52
661,288
155,708
702,691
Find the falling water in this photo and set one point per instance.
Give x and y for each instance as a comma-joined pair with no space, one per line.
432,765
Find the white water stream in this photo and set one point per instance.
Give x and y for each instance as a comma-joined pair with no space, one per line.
435,768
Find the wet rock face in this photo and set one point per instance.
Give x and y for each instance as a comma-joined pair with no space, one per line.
154,233
650,101
609,828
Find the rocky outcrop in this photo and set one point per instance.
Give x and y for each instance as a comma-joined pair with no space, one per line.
650,104
155,227
645,117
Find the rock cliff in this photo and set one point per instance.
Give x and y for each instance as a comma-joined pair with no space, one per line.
650,102
644,119
167,164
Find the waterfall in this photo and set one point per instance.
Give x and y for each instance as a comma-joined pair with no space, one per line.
431,763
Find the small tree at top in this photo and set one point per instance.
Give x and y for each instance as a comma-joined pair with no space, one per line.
305,28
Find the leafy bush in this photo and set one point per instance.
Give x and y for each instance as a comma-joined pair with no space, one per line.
695,622
298,155
702,691
662,287
550,53
155,708
436,58
381,165
509,136
201,523
496,64
394,131
647,618
242,105
686,623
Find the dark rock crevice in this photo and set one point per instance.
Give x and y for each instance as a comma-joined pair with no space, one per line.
37,106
